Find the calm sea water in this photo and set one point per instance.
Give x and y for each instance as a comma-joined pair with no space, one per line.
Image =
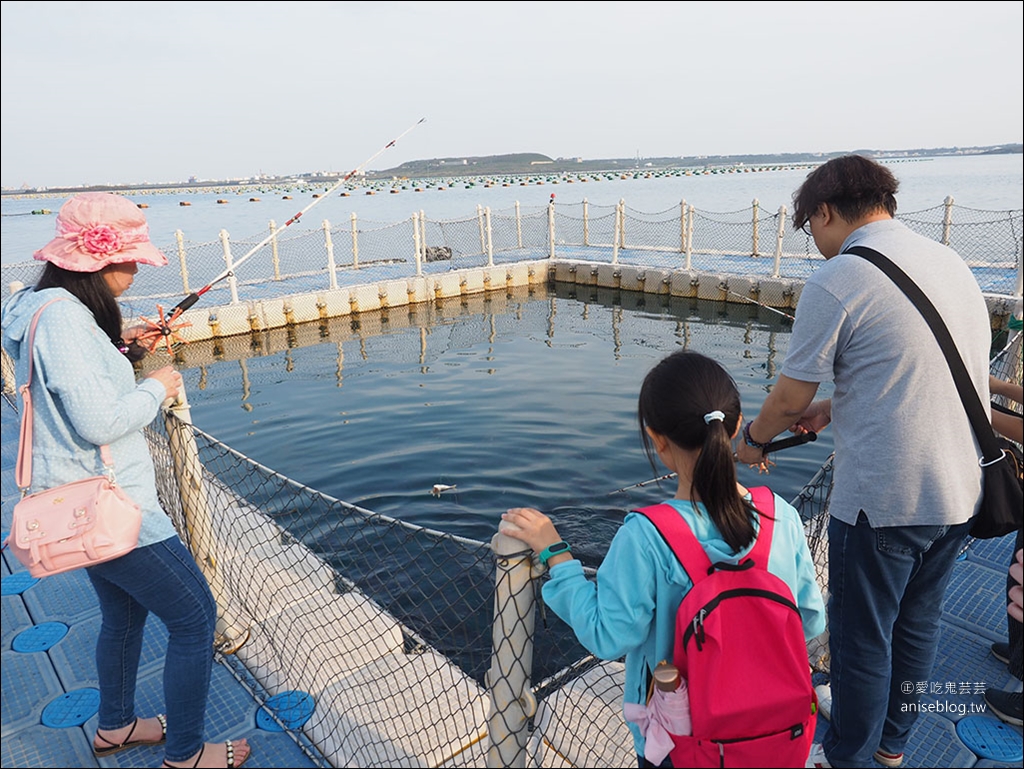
528,400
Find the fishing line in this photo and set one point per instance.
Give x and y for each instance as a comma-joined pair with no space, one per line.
779,445
192,298
761,304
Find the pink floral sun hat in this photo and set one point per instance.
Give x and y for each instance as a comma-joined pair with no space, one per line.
95,229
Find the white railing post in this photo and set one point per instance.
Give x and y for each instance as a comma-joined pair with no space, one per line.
490,241
355,242
179,236
947,220
273,250
586,222
480,226
232,627
519,226
508,678
615,235
689,237
682,226
225,241
622,222
417,243
551,230
331,268
781,232
756,206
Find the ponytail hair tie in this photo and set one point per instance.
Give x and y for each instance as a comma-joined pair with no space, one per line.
714,416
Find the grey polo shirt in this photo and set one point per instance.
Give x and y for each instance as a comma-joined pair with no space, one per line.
905,453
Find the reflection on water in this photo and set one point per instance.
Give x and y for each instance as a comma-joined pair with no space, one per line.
526,398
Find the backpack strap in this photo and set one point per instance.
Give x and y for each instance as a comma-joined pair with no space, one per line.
680,538
688,549
764,501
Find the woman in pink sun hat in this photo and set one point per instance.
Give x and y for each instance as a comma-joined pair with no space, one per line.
85,395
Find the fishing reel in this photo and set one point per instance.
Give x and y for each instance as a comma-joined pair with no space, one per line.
162,333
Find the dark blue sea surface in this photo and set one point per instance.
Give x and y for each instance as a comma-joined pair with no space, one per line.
521,400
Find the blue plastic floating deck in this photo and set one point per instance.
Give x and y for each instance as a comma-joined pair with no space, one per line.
72,709
17,583
39,638
292,708
990,738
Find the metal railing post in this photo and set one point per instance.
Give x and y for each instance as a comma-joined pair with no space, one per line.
551,230
508,678
756,206
586,223
622,223
490,241
225,241
947,220
179,237
778,242
417,243
615,235
355,242
682,226
481,227
689,236
274,256
331,268
519,226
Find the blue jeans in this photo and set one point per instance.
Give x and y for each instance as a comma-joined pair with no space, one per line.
163,579
886,588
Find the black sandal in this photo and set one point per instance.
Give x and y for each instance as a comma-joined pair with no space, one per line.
128,742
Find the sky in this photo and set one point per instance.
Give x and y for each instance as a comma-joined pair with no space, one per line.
137,92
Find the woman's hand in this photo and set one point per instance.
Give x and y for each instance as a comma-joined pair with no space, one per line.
534,528
169,378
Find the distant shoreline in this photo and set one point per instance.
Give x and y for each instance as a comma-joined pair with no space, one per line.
495,168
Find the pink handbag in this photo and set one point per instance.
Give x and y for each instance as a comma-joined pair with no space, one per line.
78,524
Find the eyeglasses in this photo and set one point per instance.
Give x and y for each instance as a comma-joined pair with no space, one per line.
806,226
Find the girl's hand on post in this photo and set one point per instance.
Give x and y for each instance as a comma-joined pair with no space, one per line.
532,527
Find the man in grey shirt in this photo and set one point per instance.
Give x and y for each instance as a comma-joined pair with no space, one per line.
906,475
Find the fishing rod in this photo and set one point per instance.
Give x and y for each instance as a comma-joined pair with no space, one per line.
779,445
761,304
164,328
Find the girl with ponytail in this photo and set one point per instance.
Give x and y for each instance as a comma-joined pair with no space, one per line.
689,415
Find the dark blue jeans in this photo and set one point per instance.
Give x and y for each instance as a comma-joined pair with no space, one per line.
886,588
165,580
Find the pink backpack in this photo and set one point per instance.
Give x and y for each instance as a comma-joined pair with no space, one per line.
739,642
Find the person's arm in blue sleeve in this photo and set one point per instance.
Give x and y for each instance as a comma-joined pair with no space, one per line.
613,616
102,404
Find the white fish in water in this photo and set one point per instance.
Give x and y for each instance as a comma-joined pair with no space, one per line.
440,487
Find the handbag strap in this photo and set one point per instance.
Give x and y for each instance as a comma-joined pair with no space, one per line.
23,465
990,449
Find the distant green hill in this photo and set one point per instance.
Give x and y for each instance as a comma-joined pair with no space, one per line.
536,163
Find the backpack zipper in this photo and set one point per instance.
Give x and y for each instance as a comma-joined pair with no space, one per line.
696,628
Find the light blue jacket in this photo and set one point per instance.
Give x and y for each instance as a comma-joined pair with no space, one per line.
84,395
631,610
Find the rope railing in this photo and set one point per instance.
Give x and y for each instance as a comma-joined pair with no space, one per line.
751,241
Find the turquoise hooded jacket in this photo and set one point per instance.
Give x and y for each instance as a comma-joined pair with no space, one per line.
631,610
84,395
